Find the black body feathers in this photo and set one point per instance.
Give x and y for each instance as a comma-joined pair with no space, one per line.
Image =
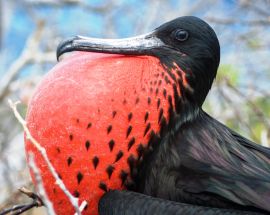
203,162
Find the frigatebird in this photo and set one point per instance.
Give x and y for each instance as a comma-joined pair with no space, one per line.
194,158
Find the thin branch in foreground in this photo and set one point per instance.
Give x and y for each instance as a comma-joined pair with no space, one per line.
19,209
82,206
40,186
74,201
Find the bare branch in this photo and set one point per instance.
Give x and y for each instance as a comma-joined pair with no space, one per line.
80,3
258,112
74,201
253,5
237,113
22,60
231,21
40,186
82,206
19,209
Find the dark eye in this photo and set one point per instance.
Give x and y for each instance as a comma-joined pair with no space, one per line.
181,35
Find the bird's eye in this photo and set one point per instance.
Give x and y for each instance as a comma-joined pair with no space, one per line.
181,35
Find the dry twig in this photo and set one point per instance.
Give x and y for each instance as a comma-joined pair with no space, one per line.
19,209
40,187
26,57
74,201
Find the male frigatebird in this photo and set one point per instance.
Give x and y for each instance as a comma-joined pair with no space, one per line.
195,158
143,104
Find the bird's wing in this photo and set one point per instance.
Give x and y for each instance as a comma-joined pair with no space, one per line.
224,163
131,203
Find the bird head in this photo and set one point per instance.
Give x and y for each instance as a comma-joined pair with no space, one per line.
186,43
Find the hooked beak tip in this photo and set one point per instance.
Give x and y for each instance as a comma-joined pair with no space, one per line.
65,46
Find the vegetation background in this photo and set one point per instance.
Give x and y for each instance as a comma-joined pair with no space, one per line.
31,29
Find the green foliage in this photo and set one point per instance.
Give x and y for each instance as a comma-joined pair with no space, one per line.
253,43
251,117
264,104
256,119
230,72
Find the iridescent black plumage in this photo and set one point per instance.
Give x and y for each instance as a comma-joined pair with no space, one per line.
205,163
131,203
195,158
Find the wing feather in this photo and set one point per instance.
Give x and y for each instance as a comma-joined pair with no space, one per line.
226,163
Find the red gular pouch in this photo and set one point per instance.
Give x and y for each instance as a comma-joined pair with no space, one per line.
95,115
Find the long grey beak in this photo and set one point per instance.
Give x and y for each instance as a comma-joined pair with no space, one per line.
140,45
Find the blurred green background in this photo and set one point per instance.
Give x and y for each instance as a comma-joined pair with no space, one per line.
31,29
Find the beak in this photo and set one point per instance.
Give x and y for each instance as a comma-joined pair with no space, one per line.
140,45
